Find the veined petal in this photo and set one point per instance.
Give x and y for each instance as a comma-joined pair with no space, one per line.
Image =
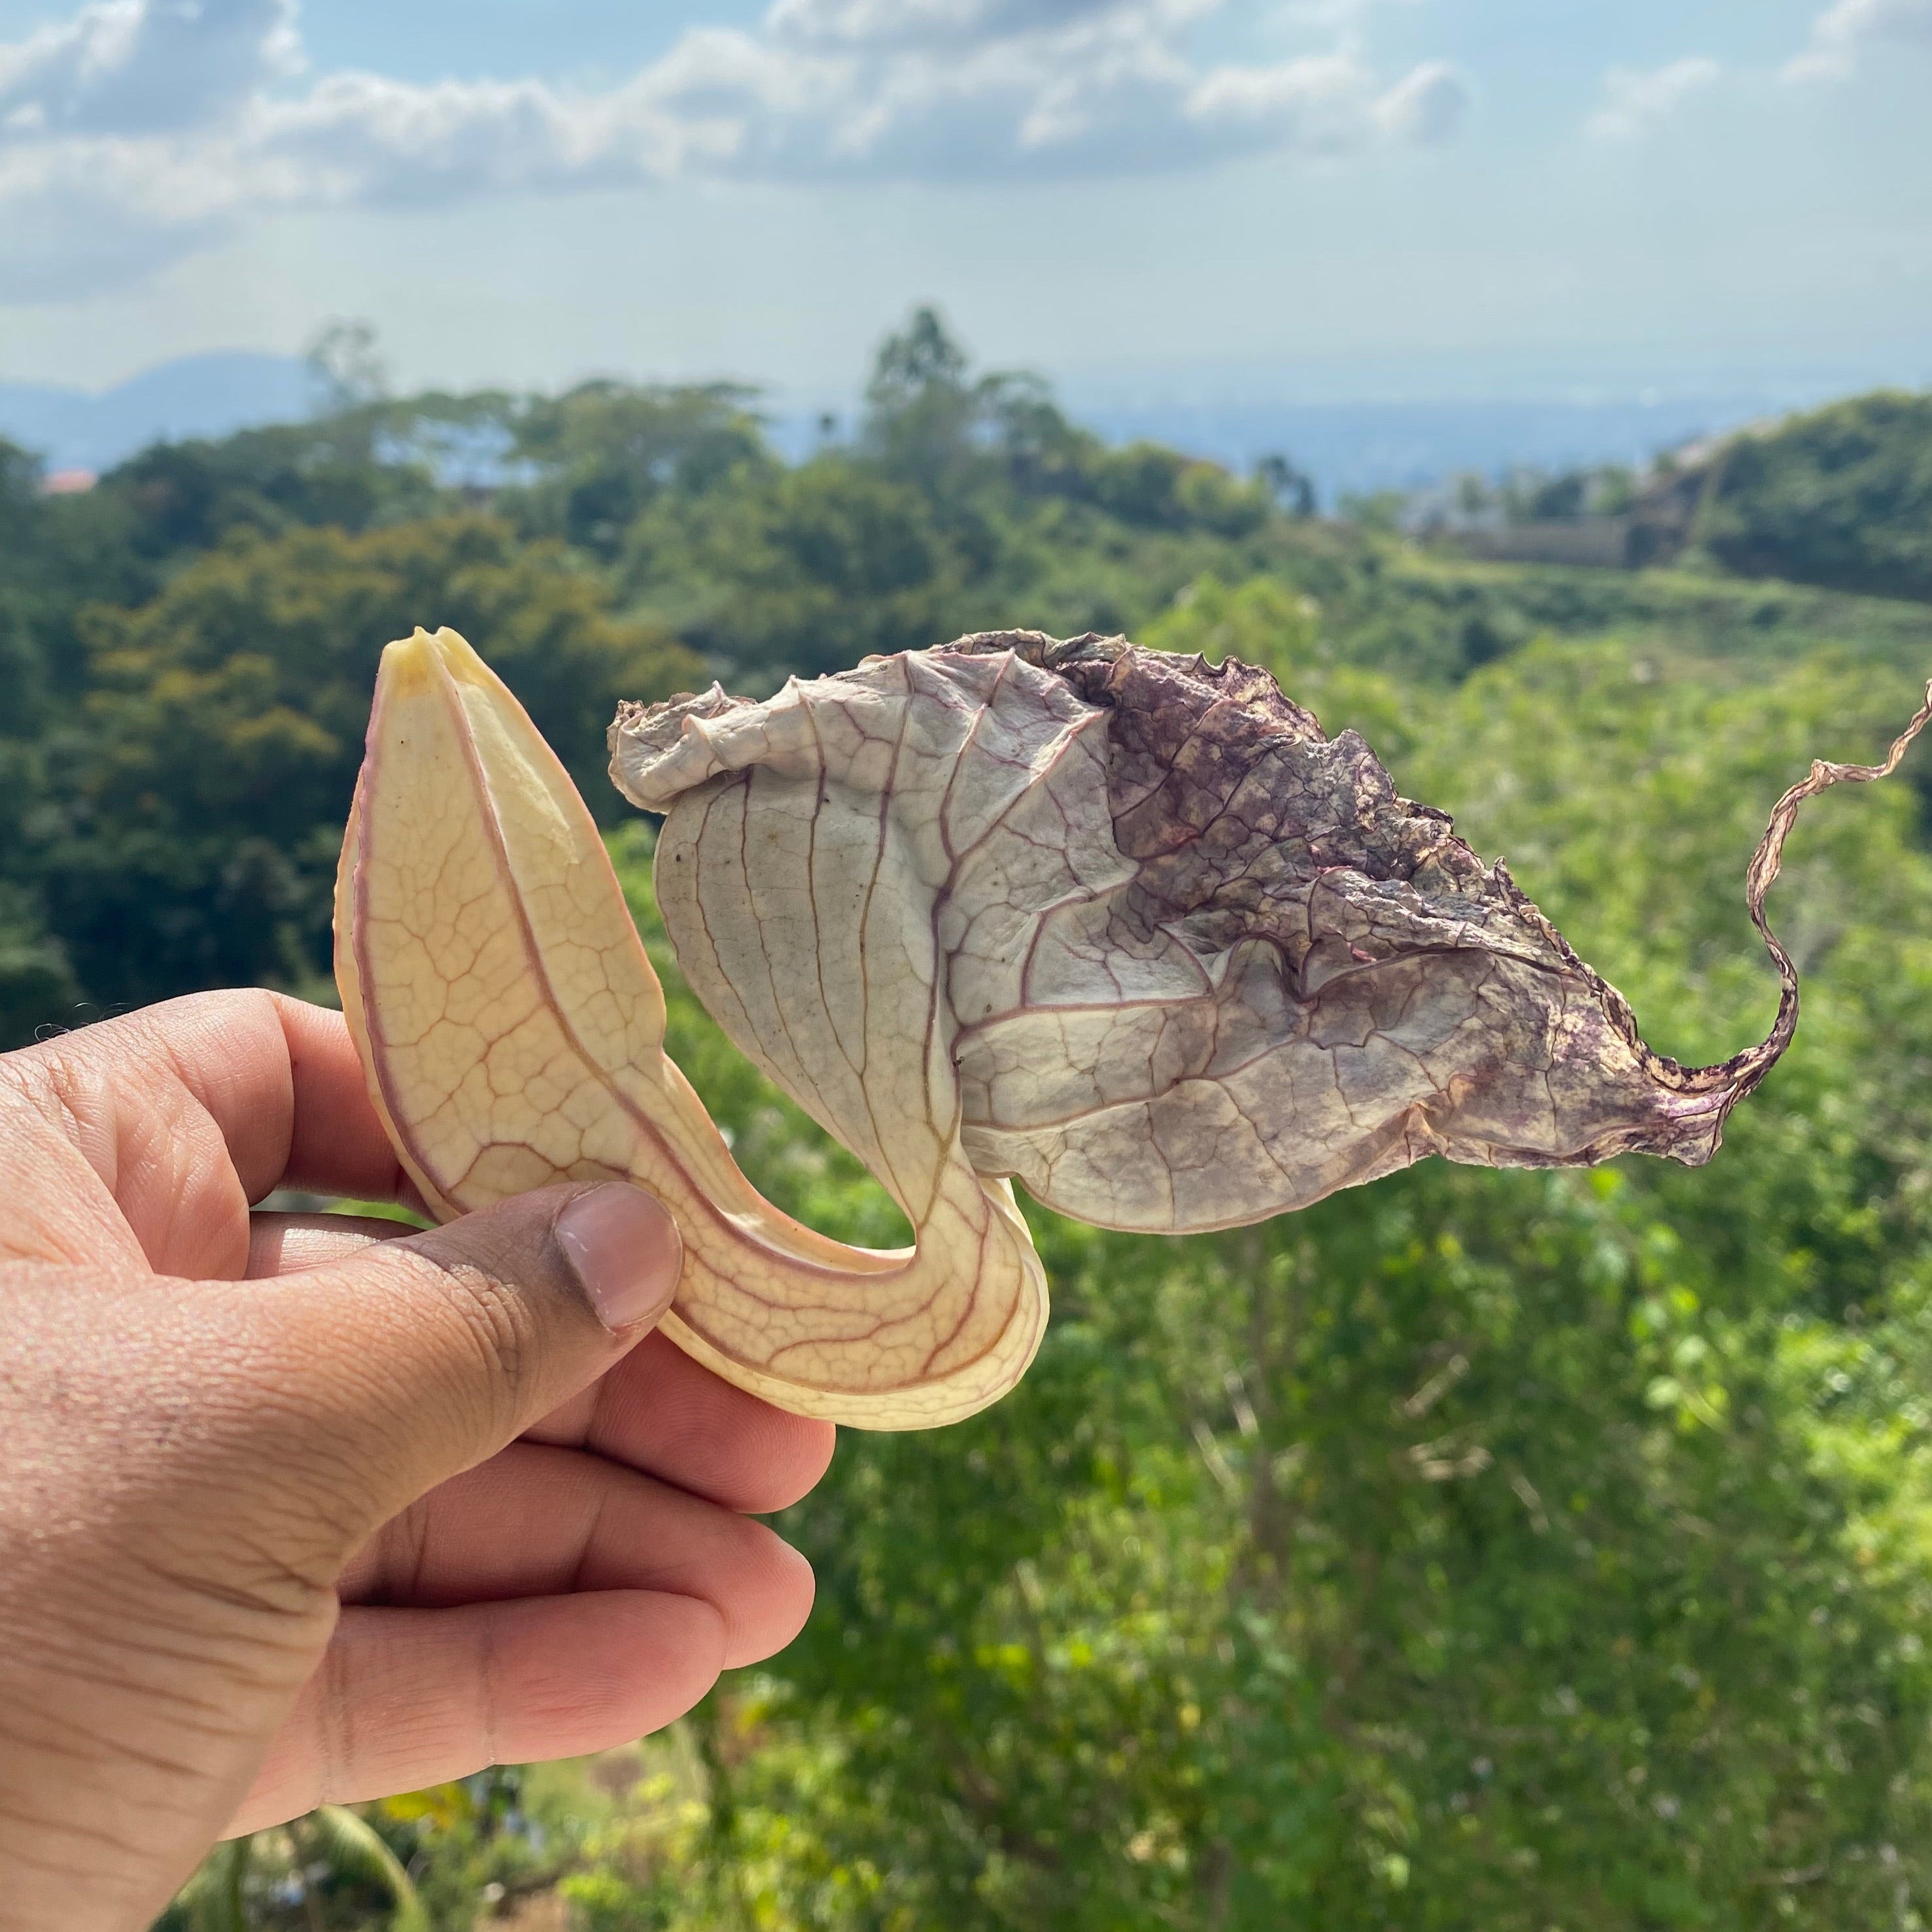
512,1029
1173,958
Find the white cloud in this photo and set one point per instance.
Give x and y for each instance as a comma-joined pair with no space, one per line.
81,219
883,23
1427,106
146,67
1635,103
140,129
1333,13
1328,103
1842,32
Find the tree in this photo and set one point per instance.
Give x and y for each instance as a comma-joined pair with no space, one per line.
346,368
200,793
1841,497
805,569
924,420
1291,488
1511,1550
604,452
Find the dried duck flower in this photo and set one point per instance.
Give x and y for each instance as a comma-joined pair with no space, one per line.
1127,928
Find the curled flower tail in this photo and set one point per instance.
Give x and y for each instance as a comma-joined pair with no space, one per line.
1741,1074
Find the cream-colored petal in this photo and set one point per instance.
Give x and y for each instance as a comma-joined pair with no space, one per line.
512,1028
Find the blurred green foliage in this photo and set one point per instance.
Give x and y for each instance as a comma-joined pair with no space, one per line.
1842,496
1473,1549
186,802
1501,1551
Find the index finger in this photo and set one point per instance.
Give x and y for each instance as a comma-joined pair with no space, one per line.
278,1079
337,1143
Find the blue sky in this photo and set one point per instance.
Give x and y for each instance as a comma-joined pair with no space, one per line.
1299,198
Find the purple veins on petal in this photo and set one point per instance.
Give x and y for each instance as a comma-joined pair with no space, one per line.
1165,953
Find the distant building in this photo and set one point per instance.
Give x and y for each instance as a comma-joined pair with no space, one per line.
1652,530
1601,542
67,482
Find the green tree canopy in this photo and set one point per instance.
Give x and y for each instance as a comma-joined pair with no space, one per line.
202,786
1842,497
601,453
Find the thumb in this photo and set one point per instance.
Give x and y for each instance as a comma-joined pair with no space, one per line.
426,1354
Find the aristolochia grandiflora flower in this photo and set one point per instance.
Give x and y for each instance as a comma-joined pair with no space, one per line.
1126,929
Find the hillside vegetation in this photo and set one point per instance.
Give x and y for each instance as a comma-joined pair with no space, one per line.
1474,1550
1841,497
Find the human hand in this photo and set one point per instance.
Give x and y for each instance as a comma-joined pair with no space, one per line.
293,1510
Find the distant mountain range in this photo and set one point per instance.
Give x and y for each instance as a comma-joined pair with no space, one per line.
195,395
1346,447
1359,447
